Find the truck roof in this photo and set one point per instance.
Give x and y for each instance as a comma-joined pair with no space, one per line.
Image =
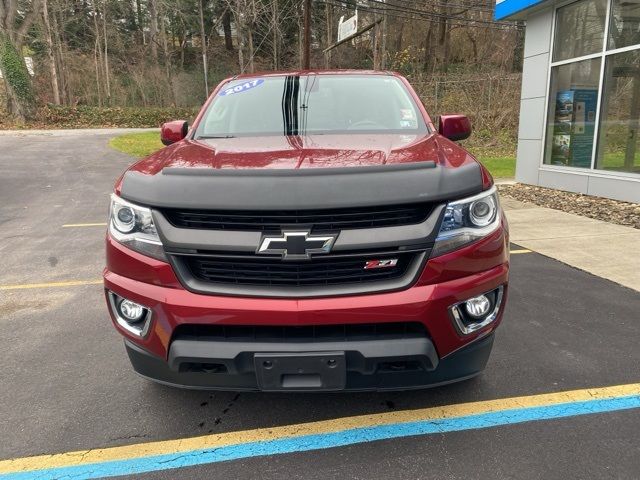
314,72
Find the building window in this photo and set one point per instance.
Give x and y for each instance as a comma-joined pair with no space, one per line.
590,74
579,29
624,25
618,148
572,113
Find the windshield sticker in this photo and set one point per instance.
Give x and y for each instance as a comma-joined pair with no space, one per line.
406,114
243,87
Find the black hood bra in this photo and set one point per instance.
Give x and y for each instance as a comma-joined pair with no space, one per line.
273,189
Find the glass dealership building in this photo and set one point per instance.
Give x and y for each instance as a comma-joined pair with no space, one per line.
580,102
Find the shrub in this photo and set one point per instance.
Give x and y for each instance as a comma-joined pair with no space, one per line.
85,116
57,116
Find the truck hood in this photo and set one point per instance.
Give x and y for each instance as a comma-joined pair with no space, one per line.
280,173
301,152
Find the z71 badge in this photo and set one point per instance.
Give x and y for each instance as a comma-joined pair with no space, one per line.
374,264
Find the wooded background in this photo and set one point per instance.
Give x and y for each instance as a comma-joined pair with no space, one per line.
124,54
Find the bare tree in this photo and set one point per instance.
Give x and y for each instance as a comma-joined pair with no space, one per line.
166,53
276,32
50,53
97,51
226,26
153,29
203,41
248,15
106,52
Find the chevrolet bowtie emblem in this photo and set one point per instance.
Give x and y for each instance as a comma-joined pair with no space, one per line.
296,245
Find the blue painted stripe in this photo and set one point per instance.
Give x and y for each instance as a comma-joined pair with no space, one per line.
329,440
509,7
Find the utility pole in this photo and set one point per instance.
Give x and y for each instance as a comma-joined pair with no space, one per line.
329,19
203,40
306,50
383,41
274,12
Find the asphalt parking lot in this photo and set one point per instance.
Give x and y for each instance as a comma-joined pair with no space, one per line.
66,384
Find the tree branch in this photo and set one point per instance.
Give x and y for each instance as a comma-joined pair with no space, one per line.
27,21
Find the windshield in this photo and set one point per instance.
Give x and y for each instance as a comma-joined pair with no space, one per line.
312,104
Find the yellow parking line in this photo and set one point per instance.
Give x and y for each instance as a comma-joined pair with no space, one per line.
506,409
73,225
516,252
71,283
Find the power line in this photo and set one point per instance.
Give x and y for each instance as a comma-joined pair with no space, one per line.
398,8
402,12
412,4
429,18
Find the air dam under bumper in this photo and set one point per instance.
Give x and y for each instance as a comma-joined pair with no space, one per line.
326,366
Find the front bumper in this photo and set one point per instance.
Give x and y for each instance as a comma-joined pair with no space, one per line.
443,356
361,371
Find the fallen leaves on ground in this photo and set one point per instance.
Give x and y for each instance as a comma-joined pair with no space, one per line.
599,208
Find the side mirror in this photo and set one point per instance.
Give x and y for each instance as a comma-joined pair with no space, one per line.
454,127
172,132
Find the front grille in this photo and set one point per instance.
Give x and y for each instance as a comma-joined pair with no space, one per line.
274,272
318,220
305,333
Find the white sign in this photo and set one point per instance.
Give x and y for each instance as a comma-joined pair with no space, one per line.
29,63
347,27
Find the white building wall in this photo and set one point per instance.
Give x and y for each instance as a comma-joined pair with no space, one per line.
537,48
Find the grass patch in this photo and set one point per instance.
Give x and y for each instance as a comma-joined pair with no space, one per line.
500,167
142,144
615,161
137,144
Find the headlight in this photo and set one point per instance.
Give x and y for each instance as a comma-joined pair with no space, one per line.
133,226
468,220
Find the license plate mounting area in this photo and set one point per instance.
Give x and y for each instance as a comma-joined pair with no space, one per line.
301,371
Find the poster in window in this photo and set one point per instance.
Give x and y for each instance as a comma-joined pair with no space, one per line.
573,127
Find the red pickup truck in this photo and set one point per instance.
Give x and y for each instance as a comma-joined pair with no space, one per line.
310,231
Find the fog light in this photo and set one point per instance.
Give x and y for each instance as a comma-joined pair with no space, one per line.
477,307
131,311
477,312
131,316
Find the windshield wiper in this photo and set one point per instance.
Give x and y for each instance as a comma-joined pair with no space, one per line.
207,137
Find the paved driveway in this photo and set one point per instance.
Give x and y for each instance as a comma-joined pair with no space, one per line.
65,382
